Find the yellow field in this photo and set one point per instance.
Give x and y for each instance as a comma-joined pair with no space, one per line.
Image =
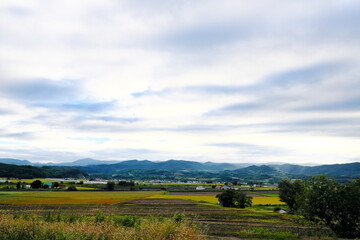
43,180
267,200
213,199
66,197
87,188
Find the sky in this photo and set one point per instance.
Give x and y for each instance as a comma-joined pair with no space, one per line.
206,80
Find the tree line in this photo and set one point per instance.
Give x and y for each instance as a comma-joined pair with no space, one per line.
29,172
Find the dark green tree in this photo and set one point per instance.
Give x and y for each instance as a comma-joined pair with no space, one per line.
233,198
36,184
334,204
72,188
110,186
288,192
18,185
55,185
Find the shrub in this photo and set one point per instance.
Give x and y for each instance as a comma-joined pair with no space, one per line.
126,221
179,217
72,188
276,209
99,217
110,186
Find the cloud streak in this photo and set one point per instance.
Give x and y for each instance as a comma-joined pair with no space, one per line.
207,80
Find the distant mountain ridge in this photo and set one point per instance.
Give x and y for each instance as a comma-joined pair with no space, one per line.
85,162
347,169
92,166
170,165
27,171
15,161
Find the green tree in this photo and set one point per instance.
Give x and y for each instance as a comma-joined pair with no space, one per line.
18,185
233,198
55,185
336,205
110,186
72,188
36,184
289,191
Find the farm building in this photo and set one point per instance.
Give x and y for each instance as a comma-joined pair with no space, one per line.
200,188
48,184
225,187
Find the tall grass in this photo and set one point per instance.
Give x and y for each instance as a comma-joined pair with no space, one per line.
56,226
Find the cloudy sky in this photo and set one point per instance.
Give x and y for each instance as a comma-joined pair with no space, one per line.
223,81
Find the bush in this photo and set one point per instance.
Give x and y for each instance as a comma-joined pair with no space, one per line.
276,209
127,220
110,186
100,217
72,188
179,217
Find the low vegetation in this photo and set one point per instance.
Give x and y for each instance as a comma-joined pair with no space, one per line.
56,225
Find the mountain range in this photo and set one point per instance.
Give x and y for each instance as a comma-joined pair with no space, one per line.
100,167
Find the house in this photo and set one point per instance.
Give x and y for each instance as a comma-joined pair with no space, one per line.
225,187
200,188
218,187
47,185
282,211
27,186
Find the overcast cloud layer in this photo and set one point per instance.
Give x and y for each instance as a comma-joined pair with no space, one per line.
223,81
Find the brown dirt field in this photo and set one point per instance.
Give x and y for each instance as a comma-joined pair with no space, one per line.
267,192
253,194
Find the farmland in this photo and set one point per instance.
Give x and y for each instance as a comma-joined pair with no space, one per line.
198,207
65,197
211,198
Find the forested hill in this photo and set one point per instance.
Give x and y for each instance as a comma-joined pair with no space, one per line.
8,170
347,169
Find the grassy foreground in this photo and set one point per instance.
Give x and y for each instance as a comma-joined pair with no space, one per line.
54,225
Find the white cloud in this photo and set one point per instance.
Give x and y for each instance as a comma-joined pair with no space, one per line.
75,70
